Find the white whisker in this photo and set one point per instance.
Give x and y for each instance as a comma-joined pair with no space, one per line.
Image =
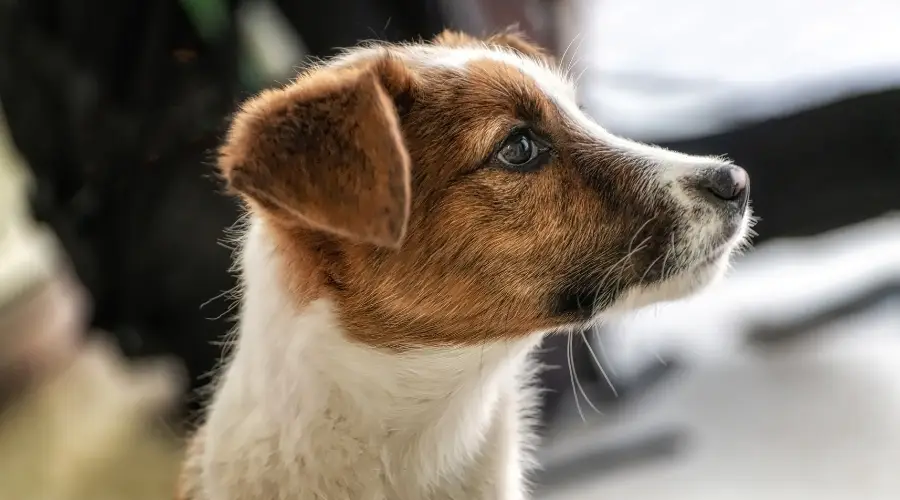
599,365
570,359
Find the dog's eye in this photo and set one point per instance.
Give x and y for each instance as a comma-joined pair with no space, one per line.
521,152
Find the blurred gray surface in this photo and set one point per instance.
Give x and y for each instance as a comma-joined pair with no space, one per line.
659,70
819,419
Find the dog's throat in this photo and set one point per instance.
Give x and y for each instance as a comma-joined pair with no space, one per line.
581,300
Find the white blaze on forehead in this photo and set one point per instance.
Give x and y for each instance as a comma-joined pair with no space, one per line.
561,91
548,79
664,168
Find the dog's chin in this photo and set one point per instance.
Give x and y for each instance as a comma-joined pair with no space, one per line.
696,275
698,269
679,286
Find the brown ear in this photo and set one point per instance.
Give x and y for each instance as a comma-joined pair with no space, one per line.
328,152
513,38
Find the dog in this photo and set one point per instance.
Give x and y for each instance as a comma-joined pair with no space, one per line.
420,216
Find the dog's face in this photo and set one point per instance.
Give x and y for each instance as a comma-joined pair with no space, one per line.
454,193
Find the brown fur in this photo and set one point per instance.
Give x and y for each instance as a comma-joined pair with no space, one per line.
327,152
517,40
511,38
487,251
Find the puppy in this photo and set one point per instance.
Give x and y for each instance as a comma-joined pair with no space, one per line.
420,217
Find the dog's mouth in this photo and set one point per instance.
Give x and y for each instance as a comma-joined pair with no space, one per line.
583,300
654,276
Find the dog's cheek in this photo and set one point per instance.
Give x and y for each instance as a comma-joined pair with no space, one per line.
581,295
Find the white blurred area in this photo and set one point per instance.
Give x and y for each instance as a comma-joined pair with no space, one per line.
86,428
815,418
776,284
818,416
665,70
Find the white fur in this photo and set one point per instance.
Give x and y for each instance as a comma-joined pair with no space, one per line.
322,417
303,413
670,170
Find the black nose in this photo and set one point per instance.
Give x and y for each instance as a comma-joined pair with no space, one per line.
728,183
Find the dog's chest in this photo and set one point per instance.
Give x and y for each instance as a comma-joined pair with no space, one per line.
414,460
457,447
304,413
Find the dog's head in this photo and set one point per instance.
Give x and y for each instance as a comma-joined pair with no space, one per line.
453,193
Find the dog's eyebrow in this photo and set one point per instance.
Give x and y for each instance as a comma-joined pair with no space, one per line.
528,106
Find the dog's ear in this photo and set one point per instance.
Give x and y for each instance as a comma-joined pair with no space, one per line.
515,39
327,151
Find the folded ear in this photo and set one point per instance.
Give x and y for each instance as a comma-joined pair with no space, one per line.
326,151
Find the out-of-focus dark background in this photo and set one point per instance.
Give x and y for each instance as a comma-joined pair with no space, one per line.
783,381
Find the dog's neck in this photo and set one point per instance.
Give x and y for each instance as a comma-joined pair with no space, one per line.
426,419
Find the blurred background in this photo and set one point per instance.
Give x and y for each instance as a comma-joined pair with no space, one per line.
782,381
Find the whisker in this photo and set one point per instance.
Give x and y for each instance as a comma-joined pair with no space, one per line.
570,359
638,232
600,366
562,59
650,267
574,60
580,75
617,270
669,253
603,354
579,384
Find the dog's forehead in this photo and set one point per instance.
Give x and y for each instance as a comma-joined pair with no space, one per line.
548,79
553,83
556,87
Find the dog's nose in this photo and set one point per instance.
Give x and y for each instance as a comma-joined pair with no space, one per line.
728,184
